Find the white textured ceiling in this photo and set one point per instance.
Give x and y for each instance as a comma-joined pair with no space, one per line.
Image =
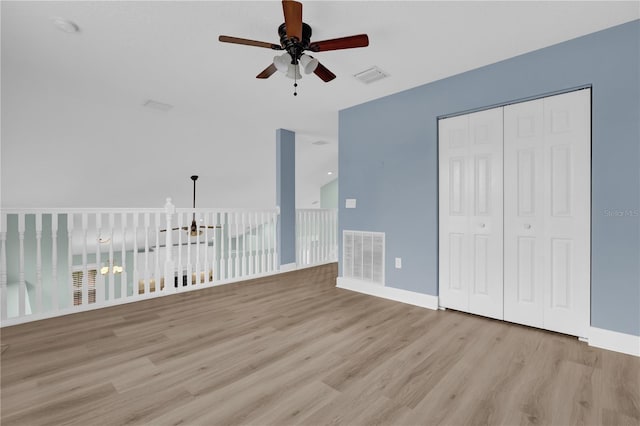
74,133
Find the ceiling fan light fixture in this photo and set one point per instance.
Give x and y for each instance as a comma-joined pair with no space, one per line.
282,62
294,72
308,63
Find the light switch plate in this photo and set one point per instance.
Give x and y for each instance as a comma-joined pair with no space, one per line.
398,263
350,203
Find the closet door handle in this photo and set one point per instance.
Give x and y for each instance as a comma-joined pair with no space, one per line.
527,226
482,225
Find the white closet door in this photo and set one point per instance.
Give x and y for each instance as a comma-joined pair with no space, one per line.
524,247
471,239
547,212
453,261
568,223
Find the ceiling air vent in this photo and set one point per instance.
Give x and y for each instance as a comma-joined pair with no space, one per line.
319,143
370,75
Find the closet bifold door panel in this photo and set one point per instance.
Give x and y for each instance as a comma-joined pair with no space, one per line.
547,157
523,219
515,212
470,213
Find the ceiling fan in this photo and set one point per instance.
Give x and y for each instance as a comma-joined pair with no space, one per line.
295,39
193,229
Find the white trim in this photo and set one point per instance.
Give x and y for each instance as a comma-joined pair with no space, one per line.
614,341
313,265
288,267
399,295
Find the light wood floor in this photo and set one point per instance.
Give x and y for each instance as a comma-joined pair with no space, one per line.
293,349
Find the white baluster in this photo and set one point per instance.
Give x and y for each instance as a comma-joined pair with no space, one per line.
206,220
327,235
3,266
318,236
169,271
198,266
136,273
237,256
22,283
100,291
335,235
274,245
85,271
298,237
263,228
310,236
189,262
223,229
255,232
147,220
54,262
214,222
124,291
314,236
70,290
215,264
156,272
180,267
38,262
305,238
244,245
268,243
229,248
307,245
253,223
206,266
321,240
110,274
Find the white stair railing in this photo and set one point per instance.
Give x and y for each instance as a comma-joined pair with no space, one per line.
58,261
316,236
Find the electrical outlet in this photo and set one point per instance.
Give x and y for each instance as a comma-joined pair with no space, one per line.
398,263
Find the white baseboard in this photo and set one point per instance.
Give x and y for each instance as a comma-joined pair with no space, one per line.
288,267
404,296
614,341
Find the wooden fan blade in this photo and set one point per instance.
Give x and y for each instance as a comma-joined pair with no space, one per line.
247,42
267,72
360,40
173,229
210,227
322,72
293,18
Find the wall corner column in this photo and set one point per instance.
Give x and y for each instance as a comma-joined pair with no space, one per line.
286,198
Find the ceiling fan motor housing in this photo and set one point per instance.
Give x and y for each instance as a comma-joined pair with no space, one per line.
293,46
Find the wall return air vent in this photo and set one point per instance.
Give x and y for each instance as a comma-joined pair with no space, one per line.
363,256
370,75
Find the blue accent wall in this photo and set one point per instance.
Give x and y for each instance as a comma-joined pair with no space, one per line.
286,194
388,161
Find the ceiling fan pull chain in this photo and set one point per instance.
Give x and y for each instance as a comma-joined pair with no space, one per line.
295,85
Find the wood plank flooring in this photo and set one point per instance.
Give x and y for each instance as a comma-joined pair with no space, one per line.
293,349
